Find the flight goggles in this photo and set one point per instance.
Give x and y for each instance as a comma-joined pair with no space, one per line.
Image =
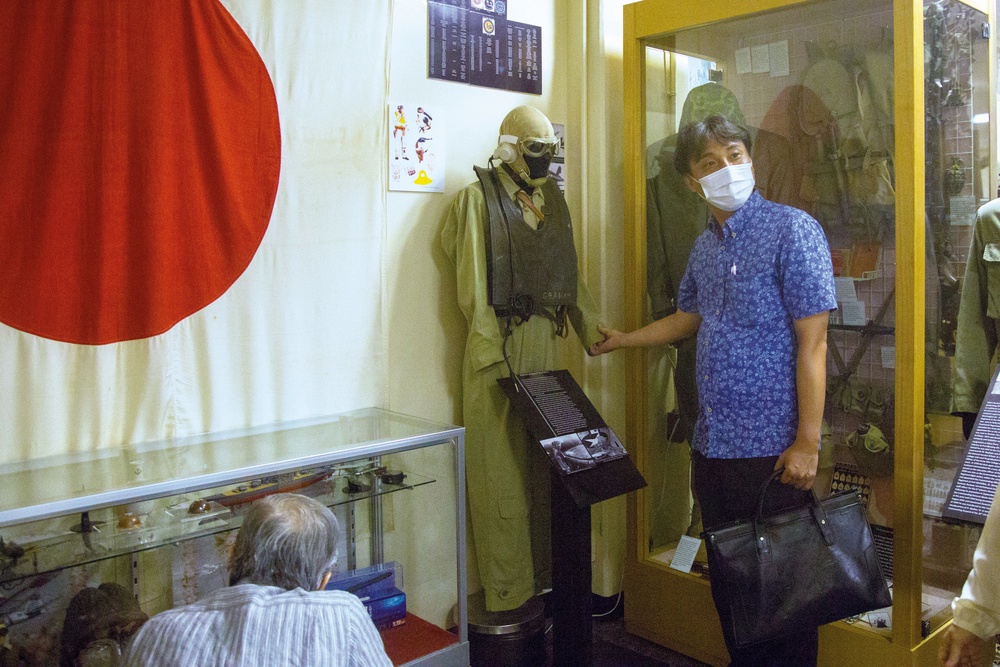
533,147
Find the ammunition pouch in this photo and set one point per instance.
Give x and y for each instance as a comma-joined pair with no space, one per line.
871,450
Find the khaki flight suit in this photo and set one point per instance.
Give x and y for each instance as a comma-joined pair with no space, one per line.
507,474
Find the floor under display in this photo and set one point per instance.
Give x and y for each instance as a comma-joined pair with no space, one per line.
613,647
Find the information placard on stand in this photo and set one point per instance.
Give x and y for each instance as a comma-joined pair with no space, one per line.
589,464
975,484
586,455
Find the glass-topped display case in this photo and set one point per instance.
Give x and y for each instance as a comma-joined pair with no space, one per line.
160,518
876,117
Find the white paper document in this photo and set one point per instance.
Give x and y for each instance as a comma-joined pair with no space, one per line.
687,549
963,210
853,313
743,61
888,357
846,290
778,57
759,56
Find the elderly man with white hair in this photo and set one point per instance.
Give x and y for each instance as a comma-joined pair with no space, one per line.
275,611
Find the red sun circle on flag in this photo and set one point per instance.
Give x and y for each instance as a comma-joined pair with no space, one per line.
139,157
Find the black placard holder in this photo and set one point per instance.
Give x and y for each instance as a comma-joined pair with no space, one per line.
971,494
572,494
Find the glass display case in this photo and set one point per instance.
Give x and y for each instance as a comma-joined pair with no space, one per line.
874,116
161,517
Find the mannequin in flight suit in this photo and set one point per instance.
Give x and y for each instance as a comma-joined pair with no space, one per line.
516,304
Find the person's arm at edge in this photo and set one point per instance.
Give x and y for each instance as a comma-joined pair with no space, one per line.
665,331
962,647
976,612
801,458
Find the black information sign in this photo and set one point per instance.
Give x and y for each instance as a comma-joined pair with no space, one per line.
884,541
487,37
447,42
471,41
976,482
585,453
524,58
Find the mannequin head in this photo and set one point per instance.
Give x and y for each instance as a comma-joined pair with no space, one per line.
527,143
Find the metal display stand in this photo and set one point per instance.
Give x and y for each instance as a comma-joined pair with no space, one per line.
571,497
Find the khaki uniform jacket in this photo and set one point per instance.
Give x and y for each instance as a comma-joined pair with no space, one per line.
978,313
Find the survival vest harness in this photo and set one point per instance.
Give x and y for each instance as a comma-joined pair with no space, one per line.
528,271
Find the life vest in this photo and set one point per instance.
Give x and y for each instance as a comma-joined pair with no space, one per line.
530,270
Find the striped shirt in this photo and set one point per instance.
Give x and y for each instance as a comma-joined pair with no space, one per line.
261,626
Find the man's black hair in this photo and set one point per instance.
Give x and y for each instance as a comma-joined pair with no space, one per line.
692,139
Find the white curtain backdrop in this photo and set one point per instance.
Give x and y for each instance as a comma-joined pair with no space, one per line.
300,333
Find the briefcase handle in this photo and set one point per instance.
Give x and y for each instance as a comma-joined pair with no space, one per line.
816,509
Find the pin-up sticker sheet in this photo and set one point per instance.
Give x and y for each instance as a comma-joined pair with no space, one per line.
416,150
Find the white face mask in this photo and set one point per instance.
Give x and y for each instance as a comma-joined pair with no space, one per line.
730,187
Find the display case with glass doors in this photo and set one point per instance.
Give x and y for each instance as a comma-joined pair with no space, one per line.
160,518
876,118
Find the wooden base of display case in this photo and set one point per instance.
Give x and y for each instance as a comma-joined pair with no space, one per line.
676,611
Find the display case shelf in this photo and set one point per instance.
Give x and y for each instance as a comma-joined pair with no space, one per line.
59,543
73,518
60,485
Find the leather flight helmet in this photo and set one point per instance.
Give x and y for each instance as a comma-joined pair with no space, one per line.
527,143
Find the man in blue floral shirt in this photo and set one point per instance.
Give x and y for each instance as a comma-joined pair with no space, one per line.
757,293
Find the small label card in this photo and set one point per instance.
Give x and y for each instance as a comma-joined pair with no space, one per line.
687,549
846,291
743,65
759,59
888,357
853,313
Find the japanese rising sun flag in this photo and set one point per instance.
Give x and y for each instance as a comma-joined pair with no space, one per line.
190,217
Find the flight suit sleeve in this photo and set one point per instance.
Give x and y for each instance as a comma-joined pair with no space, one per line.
976,339
463,240
584,316
658,282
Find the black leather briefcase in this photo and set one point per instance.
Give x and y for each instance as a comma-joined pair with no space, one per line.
800,568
